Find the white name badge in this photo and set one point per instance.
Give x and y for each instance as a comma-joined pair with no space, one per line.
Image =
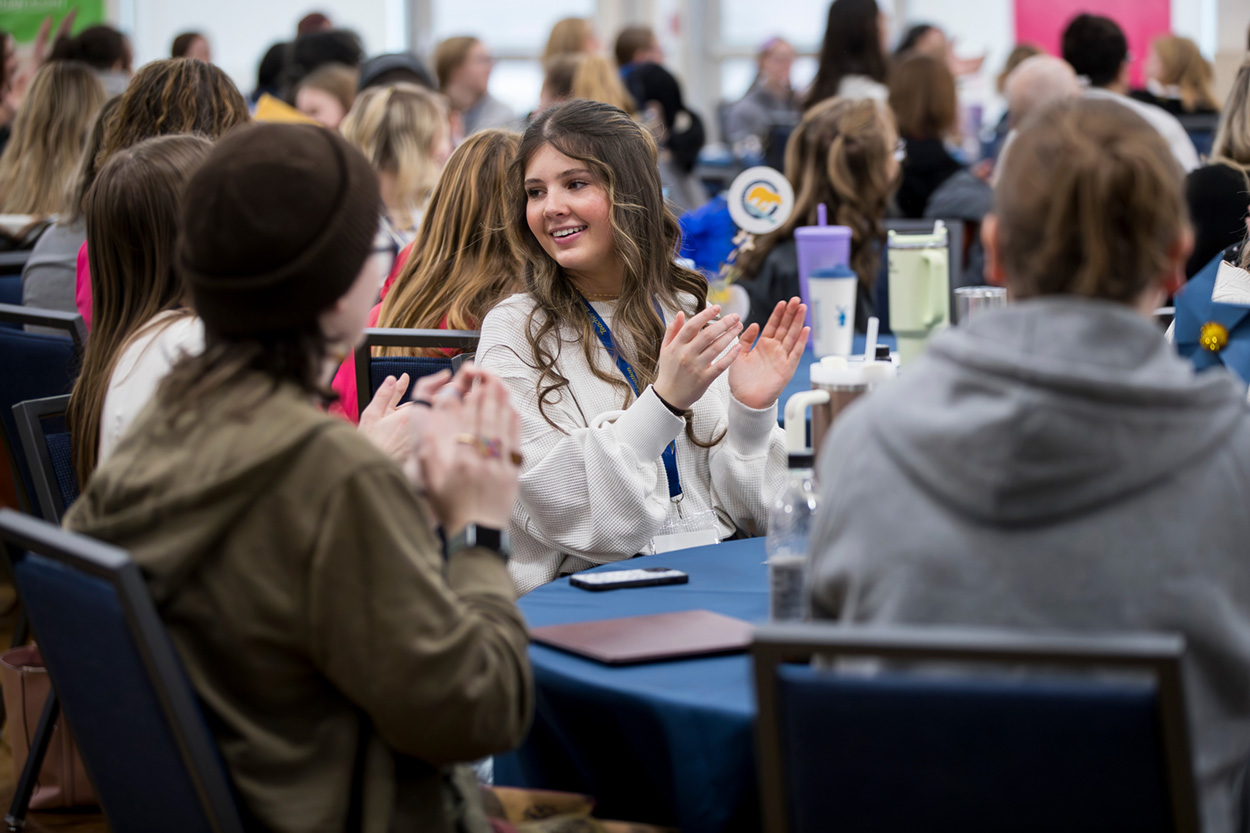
696,529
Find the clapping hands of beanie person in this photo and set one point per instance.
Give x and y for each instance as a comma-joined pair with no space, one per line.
468,448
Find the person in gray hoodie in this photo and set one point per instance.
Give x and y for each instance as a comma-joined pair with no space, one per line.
1057,466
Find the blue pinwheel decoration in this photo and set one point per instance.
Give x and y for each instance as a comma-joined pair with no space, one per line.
1212,333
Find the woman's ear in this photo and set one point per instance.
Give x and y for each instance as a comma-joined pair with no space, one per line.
995,275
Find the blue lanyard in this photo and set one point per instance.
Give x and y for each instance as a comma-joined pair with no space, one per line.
605,335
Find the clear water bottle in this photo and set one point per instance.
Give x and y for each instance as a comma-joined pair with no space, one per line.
789,541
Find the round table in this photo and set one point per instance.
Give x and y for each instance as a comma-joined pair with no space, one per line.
667,743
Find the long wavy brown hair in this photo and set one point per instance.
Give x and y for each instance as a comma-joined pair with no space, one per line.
49,132
839,155
465,263
174,95
132,223
622,157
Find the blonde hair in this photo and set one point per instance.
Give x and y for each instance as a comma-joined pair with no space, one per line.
449,56
339,80
1232,137
396,127
1182,66
591,77
465,263
37,170
1090,202
568,37
839,155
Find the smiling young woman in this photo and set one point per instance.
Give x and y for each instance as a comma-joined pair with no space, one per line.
642,415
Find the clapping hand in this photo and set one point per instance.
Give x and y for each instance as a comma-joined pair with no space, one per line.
691,355
469,454
394,427
760,373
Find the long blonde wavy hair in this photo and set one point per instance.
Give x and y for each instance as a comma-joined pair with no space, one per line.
464,263
1232,137
1181,65
839,155
38,168
397,127
623,158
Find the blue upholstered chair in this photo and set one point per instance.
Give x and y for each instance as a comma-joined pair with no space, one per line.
971,731
142,737
12,263
46,445
371,371
34,366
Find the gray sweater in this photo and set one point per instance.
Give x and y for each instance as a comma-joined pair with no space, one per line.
50,276
1059,469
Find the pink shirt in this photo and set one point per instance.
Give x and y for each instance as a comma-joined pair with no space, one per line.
344,383
82,286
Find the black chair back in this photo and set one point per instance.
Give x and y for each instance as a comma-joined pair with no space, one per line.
943,743
11,293
34,366
46,445
1201,128
12,263
371,372
121,685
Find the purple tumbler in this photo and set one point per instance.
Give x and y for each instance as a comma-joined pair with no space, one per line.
821,246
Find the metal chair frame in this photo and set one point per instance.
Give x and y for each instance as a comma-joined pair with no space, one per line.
465,340
21,535
30,415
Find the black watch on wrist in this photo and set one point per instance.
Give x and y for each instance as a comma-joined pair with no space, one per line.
480,536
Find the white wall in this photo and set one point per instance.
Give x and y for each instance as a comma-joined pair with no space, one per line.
241,30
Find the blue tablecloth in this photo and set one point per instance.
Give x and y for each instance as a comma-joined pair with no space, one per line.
666,743
802,377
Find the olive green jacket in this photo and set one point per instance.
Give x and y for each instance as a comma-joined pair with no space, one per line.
334,652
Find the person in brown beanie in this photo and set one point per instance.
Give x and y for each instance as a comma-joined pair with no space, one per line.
346,664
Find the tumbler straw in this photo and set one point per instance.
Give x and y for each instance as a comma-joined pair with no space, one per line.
870,346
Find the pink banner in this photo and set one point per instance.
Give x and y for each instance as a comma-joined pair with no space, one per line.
1042,22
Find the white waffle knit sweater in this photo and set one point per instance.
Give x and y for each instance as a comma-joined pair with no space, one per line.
594,491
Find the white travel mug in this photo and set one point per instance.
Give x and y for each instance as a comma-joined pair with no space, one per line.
833,292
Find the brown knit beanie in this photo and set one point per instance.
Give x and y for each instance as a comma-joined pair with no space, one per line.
276,225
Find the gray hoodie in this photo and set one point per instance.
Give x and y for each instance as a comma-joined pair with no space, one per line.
1055,466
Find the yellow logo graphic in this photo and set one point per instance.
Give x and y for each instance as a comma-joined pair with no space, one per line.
761,200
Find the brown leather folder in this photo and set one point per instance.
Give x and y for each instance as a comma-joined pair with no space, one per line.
651,638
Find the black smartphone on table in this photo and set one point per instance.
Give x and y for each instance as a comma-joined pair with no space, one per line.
617,579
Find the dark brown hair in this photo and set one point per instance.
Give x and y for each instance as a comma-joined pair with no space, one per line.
839,155
1090,202
922,95
85,174
174,95
182,44
852,46
630,41
622,158
132,224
